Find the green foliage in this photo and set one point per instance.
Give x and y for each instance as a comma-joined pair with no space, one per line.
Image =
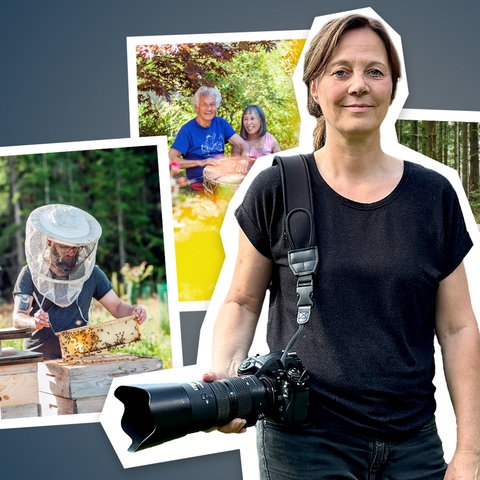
474,199
183,67
17,344
163,117
244,73
262,78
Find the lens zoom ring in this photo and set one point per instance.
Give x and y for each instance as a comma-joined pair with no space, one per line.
243,396
221,392
234,398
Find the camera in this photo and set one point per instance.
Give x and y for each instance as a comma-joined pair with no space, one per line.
269,386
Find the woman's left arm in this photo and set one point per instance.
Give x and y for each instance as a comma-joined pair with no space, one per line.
276,147
459,338
118,308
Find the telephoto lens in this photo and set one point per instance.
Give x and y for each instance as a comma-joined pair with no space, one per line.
157,413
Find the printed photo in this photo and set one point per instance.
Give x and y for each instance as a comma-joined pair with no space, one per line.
222,101
84,293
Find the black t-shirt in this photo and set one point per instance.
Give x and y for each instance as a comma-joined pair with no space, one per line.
369,344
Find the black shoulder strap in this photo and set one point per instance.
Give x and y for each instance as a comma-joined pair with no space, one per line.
299,228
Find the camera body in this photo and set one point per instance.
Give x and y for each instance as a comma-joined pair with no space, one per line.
285,378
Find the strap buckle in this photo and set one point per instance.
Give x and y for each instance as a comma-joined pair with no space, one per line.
305,302
303,264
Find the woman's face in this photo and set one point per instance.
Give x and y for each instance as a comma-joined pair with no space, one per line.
252,122
355,90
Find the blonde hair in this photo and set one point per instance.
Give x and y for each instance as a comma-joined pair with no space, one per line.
321,51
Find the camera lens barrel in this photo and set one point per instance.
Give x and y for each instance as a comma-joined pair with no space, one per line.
241,397
157,413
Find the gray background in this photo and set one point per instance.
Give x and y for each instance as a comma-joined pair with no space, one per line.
190,326
63,77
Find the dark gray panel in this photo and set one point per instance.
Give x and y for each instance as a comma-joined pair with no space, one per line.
83,451
64,63
190,325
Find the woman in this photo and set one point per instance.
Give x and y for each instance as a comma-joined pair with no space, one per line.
254,132
391,240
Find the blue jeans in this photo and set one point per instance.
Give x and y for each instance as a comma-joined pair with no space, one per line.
313,453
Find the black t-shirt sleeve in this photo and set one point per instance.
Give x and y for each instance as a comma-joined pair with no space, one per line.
457,241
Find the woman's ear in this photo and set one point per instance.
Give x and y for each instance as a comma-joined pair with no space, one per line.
313,90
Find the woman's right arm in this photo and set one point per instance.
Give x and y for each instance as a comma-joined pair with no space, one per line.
238,316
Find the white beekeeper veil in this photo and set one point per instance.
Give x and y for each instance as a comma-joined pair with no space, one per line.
68,226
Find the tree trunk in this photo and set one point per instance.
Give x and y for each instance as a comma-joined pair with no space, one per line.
430,140
456,147
414,135
19,242
464,151
120,220
473,182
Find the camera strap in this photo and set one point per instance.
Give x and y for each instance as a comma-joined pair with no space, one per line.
299,229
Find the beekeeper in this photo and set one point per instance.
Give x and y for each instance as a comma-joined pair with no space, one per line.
53,292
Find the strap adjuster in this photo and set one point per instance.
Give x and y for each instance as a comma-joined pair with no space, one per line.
305,290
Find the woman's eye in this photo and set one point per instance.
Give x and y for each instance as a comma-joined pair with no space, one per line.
340,73
375,72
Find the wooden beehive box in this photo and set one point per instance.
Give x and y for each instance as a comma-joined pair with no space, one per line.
18,384
18,390
81,385
18,377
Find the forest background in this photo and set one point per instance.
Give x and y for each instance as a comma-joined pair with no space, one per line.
454,144
119,187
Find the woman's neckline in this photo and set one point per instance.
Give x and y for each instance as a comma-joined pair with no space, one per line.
375,203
